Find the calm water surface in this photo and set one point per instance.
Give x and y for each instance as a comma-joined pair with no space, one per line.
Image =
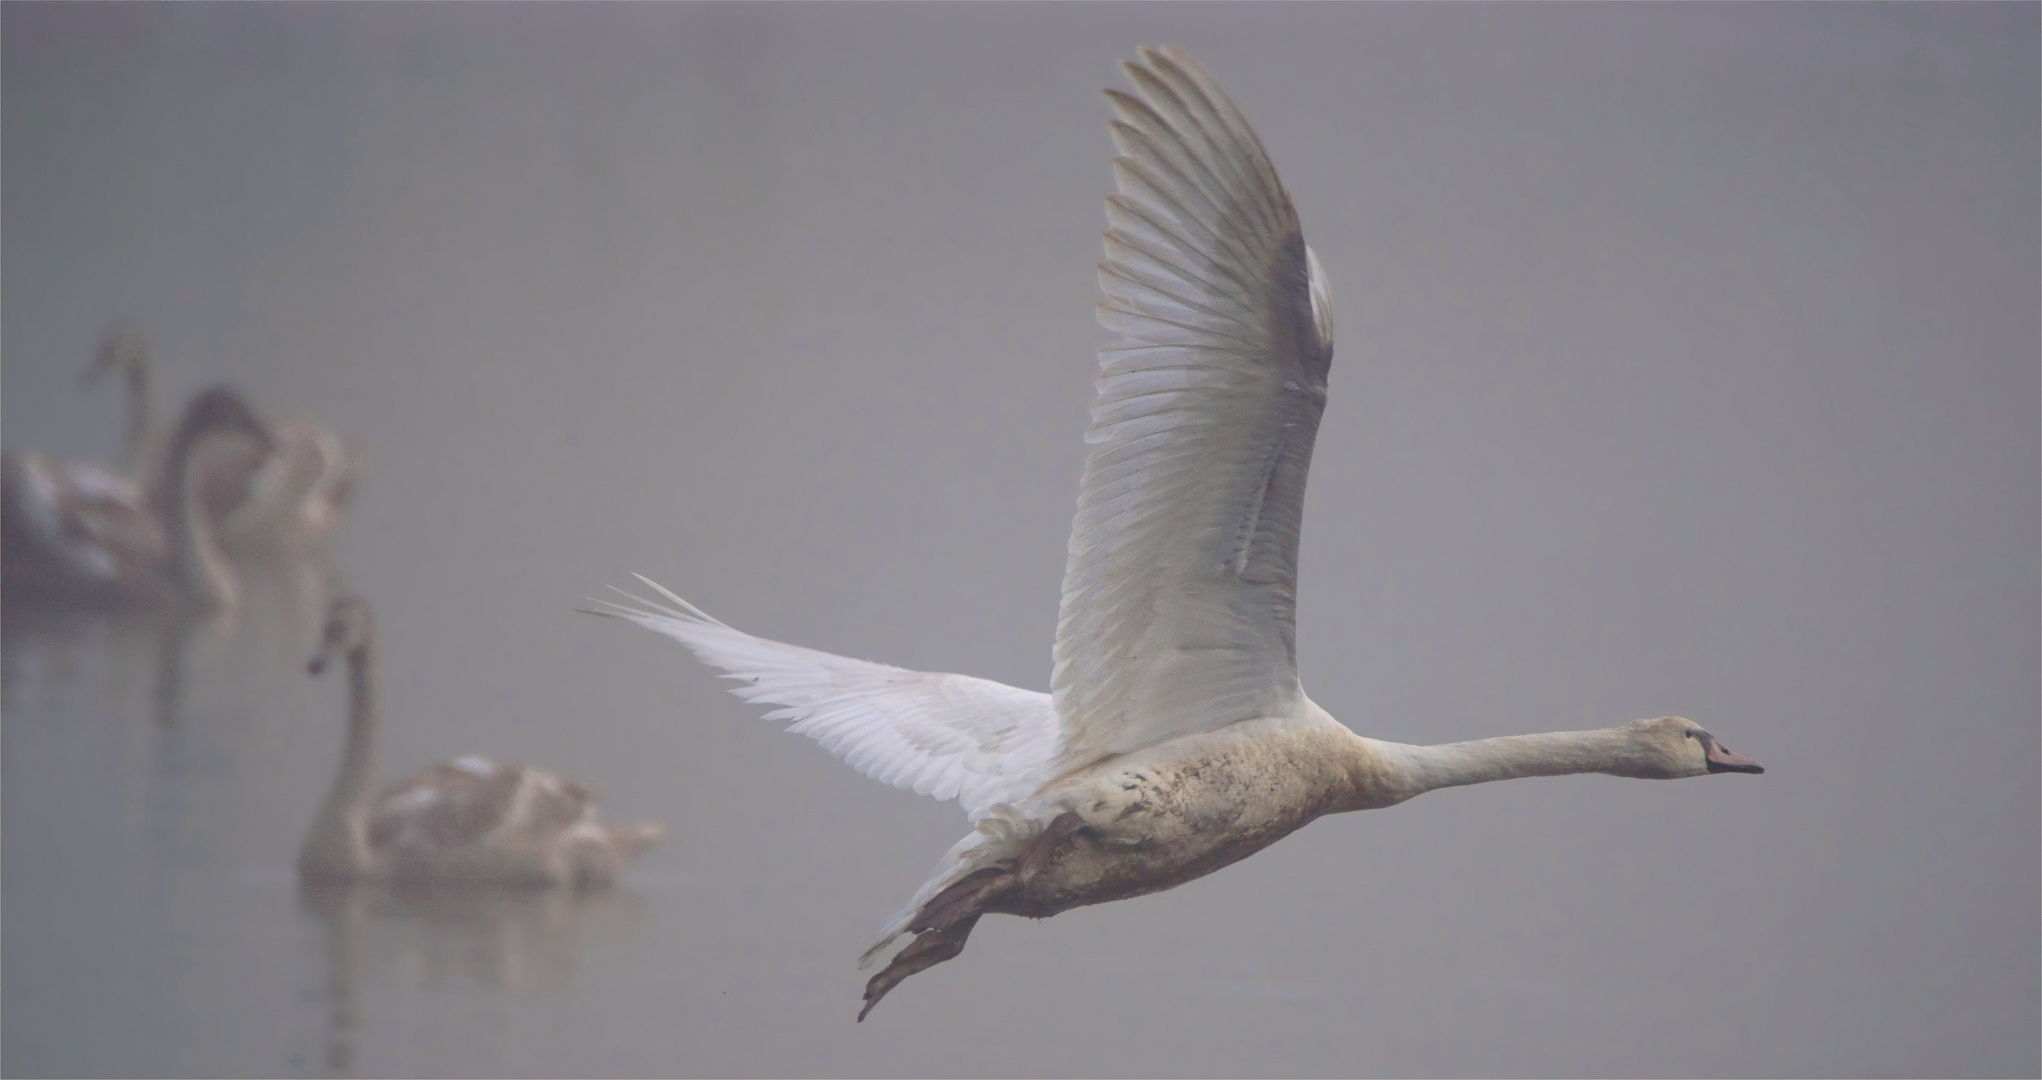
157,776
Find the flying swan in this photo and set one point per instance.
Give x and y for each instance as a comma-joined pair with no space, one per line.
1175,738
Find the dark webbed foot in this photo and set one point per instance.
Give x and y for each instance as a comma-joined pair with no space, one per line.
944,923
930,947
965,897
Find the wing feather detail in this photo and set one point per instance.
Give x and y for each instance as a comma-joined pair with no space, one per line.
1179,598
951,736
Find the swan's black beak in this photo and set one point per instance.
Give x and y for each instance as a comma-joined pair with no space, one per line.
1724,759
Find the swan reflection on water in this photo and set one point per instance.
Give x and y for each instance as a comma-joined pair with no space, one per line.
443,938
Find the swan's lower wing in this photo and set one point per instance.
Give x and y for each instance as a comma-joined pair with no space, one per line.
1179,595
951,736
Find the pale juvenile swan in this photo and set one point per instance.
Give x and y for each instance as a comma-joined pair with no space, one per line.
469,821
280,496
81,533
1176,738
264,499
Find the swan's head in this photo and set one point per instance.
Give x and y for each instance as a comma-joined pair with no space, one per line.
121,349
1671,747
346,633
220,409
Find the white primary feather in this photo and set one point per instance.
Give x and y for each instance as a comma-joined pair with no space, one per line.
1179,595
951,736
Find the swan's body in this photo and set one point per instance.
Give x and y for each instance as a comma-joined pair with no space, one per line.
82,533
1176,738
76,528
470,821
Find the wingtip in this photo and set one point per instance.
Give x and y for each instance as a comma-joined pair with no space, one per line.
1170,56
680,603
610,609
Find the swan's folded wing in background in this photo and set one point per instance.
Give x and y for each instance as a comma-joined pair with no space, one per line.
950,736
463,804
1179,595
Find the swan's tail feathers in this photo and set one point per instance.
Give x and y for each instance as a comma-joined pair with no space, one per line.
635,839
602,852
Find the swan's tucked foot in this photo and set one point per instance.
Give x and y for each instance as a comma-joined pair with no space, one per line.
966,898
930,947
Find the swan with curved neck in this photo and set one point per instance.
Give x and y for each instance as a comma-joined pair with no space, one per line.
469,821
196,558
280,495
1176,737
82,532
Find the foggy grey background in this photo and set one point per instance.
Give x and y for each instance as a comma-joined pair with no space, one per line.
1687,363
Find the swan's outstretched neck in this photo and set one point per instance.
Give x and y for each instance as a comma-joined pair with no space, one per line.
201,565
1648,749
1552,753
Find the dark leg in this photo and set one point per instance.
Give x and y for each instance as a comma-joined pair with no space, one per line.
944,923
1045,845
967,895
930,947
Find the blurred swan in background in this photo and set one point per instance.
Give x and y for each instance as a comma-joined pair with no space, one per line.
123,349
278,499
1176,738
471,820
83,533
287,500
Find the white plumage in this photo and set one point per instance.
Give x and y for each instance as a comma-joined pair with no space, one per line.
951,736
1176,737
1180,589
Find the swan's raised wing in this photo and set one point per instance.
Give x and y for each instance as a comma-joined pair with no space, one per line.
1179,593
951,736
